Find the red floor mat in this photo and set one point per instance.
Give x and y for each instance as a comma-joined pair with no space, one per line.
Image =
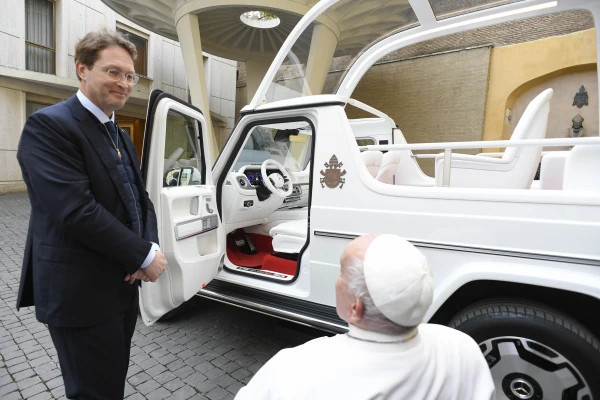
281,265
262,259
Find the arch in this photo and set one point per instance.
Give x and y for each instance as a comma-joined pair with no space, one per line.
515,68
561,109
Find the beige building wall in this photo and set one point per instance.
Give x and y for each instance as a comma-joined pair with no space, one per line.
562,109
73,19
436,98
222,96
516,68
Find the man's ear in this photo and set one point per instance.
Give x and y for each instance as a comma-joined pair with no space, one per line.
357,311
81,70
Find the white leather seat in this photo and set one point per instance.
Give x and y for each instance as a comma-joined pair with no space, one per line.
552,170
289,237
373,160
582,169
389,166
516,168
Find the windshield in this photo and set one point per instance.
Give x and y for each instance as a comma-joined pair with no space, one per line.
328,46
288,143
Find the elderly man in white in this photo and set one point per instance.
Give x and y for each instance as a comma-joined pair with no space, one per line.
384,289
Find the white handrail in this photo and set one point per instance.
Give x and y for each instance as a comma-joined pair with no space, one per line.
449,146
486,144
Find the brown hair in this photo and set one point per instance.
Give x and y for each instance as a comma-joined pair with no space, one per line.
88,48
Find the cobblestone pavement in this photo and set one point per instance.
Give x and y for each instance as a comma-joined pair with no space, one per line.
207,351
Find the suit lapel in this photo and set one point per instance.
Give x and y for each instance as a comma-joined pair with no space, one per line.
93,130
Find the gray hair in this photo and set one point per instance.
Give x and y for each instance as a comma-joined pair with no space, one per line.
372,318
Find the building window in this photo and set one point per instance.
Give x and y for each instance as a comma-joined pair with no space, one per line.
141,44
40,40
32,106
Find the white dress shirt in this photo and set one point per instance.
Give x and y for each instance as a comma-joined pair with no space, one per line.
103,118
435,363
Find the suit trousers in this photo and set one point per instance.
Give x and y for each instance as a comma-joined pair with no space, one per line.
94,360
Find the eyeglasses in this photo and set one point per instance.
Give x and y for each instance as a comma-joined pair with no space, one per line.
118,75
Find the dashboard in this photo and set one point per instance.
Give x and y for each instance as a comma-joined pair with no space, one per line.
255,177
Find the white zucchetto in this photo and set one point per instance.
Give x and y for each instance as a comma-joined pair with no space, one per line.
398,279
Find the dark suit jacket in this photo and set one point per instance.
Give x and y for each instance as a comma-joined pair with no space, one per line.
79,247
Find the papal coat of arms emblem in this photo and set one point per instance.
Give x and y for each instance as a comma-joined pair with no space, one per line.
332,176
581,98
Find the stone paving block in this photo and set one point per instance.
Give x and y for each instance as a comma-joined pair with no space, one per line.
138,379
156,370
174,384
241,374
33,390
169,358
195,379
150,348
13,354
198,396
204,366
224,380
28,382
54,382
255,367
165,377
36,354
136,396
19,376
234,387
159,394
219,361
210,355
138,358
185,354
133,370
147,387
183,393
9,388
214,373
42,396
48,375
147,364
12,396
129,390
230,367
206,386
184,372
217,394
175,365
18,368
5,380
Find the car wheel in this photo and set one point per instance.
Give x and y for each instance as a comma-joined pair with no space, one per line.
533,352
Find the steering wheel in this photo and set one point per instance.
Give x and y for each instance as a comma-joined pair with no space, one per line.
275,181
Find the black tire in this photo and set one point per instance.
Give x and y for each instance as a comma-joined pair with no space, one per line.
545,341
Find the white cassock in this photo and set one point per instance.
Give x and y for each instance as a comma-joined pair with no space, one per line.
438,363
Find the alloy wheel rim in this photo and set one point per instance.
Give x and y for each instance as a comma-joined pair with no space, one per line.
523,369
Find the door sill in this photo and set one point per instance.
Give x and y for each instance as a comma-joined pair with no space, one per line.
290,309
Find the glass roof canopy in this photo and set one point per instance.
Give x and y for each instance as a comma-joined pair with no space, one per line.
361,24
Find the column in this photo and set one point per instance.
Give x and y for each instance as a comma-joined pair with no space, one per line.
188,32
322,48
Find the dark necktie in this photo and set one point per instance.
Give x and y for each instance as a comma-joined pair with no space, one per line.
112,129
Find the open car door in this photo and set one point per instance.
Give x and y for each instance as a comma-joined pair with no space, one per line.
176,169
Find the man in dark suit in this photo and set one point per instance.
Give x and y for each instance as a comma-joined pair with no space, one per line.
93,229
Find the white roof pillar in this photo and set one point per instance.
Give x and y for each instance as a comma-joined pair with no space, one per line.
188,33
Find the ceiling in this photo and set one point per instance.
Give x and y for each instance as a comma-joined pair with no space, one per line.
355,22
